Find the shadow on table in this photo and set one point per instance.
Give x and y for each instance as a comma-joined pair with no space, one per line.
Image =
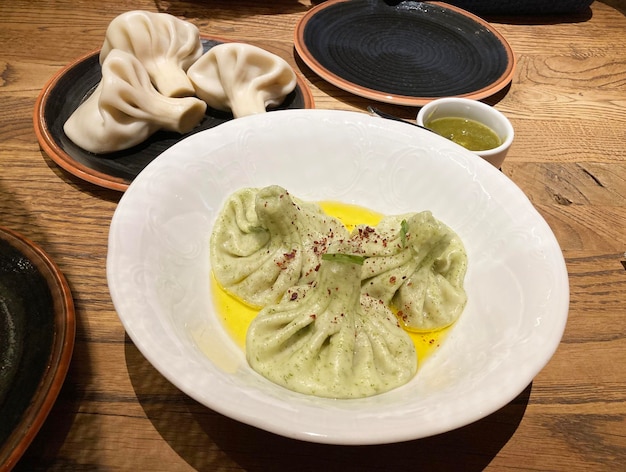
43,452
207,440
619,5
225,9
207,10
80,184
237,8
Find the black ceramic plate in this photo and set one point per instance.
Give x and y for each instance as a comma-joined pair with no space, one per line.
72,85
37,328
406,53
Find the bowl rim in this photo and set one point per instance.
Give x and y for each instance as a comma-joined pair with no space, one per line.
506,391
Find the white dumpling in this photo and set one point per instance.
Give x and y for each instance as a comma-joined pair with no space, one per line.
167,46
241,78
125,109
329,340
416,264
265,241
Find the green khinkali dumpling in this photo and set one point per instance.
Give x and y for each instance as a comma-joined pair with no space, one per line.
266,241
416,264
329,340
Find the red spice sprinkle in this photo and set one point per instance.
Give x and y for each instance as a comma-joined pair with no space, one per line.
392,279
294,296
313,316
365,232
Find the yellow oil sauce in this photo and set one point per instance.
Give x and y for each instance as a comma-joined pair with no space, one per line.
236,315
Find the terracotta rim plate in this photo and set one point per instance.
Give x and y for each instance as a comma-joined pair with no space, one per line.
37,330
66,90
405,53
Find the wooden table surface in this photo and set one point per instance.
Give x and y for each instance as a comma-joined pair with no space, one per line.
567,102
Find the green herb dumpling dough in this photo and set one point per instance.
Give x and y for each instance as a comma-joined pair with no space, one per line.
416,264
328,340
266,241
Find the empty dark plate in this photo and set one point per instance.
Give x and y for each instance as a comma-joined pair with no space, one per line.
73,84
406,53
37,328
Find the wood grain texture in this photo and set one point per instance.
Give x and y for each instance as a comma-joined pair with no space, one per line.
567,102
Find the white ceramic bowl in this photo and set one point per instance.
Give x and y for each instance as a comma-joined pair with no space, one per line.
477,111
158,270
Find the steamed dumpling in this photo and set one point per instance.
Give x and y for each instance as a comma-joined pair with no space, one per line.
241,78
416,264
167,46
329,340
266,241
125,109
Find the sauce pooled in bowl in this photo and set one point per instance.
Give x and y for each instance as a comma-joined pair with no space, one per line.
468,133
